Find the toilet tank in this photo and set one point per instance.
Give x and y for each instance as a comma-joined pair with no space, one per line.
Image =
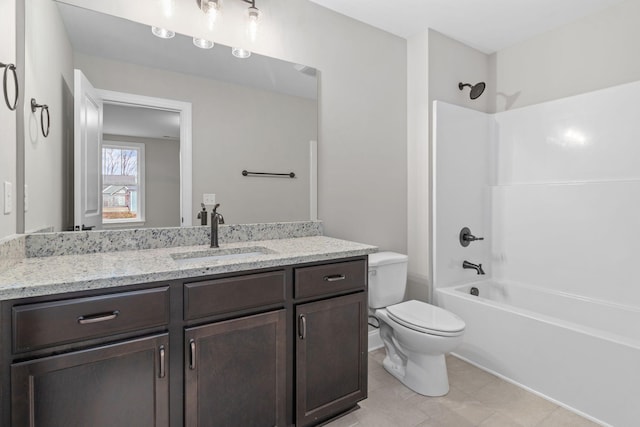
387,278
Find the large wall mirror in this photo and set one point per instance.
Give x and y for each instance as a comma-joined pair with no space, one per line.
175,122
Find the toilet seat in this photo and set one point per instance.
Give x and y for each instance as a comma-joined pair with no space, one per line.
426,318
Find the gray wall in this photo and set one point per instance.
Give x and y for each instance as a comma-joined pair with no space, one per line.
418,165
162,180
362,188
7,118
598,51
234,128
451,62
48,79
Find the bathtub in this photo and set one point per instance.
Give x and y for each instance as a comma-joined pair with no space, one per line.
579,353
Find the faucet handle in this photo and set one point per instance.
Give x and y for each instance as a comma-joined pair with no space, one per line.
466,237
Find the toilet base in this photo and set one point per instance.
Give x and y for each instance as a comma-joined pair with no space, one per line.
415,358
423,373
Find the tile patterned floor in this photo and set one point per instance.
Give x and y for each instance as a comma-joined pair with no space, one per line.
476,398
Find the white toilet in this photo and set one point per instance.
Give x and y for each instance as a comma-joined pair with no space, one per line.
416,335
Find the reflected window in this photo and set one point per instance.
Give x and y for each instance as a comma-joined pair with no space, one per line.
122,182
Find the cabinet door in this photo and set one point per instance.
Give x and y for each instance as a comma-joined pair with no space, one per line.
235,372
331,357
123,384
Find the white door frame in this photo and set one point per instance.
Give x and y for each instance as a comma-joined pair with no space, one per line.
184,108
87,203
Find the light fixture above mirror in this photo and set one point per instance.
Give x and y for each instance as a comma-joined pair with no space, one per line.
213,9
253,20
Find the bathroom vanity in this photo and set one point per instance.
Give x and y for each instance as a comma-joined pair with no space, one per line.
274,339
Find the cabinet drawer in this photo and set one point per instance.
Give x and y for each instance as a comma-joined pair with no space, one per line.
219,296
330,278
58,322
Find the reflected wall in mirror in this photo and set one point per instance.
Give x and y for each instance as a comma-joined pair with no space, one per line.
257,114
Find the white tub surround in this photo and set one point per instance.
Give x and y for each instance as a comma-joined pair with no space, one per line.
461,163
580,353
555,190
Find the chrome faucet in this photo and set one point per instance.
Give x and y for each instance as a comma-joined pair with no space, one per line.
216,218
476,267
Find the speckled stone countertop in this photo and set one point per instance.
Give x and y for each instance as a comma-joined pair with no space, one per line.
37,276
87,242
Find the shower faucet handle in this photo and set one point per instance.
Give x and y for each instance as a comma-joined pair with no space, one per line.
466,237
472,238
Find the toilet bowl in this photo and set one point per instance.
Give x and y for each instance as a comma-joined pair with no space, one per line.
416,335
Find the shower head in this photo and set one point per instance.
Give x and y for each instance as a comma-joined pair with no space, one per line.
476,89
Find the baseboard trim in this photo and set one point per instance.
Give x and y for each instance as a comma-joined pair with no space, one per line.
375,342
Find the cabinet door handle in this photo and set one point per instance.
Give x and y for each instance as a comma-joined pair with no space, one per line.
192,361
95,318
334,278
162,362
302,326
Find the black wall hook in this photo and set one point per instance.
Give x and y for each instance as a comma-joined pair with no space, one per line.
43,108
10,67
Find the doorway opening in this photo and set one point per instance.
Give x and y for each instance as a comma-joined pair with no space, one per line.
145,162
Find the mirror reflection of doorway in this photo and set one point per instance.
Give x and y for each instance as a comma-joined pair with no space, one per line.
140,167
132,159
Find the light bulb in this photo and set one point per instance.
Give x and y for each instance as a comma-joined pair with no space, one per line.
212,8
202,43
168,7
241,53
252,23
163,33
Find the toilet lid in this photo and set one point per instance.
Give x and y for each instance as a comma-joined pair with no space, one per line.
426,318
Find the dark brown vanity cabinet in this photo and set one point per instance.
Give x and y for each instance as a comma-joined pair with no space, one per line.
331,341
235,373
124,384
235,369
271,347
92,361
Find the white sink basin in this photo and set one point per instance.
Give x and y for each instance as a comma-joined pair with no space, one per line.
213,255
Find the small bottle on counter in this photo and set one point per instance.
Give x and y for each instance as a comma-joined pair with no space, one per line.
202,215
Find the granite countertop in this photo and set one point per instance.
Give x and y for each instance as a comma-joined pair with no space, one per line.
68,273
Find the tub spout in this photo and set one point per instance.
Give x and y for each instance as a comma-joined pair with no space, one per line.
476,267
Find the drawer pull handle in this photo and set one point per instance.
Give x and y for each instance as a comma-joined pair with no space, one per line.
302,326
192,361
162,362
334,278
95,318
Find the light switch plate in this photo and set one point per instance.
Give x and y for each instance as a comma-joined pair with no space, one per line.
209,199
8,197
